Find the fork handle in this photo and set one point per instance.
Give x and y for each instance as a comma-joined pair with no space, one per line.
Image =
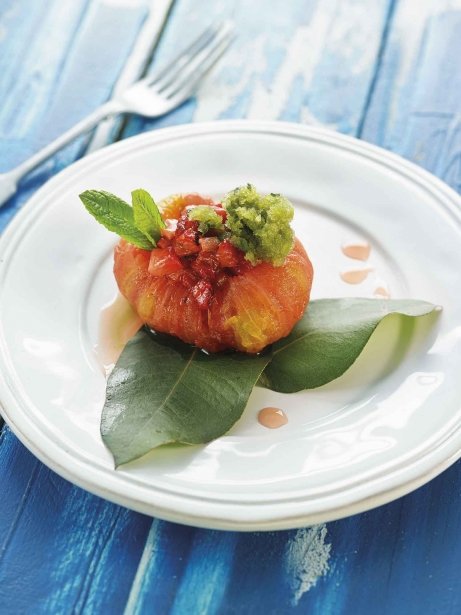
9,180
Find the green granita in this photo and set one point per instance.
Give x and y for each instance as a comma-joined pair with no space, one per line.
207,218
259,225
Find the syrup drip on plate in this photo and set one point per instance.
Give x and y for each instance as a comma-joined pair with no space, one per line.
272,418
118,322
355,276
357,251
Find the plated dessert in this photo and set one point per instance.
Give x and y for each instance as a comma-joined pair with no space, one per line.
229,283
228,275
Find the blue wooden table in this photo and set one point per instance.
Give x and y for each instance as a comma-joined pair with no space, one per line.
387,71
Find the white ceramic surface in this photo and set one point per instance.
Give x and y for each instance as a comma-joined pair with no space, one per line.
390,424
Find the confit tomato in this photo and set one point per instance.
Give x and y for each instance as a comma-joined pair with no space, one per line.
186,242
245,310
200,288
209,244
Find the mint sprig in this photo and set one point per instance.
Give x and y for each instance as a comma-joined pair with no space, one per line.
139,225
147,216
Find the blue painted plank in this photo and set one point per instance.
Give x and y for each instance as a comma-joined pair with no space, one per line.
164,561
415,106
402,557
32,52
314,61
60,79
61,548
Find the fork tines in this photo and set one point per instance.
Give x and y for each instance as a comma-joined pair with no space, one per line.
185,71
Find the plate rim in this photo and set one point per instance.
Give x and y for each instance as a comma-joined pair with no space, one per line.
238,516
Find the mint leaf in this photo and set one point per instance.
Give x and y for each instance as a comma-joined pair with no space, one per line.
329,338
147,217
162,390
116,215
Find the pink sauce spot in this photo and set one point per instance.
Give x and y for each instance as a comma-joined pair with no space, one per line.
272,418
382,292
355,276
358,251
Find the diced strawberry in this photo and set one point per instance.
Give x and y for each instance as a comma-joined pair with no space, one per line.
181,224
192,224
229,255
221,278
202,293
209,244
206,265
185,224
186,243
163,243
163,261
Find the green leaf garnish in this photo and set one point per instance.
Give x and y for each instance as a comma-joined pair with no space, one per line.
328,339
116,215
162,390
207,218
147,216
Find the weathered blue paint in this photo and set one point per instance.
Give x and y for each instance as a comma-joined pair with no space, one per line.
57,81
416,111
315,43
385,71
61,548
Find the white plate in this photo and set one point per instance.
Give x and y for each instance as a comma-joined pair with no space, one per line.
390,424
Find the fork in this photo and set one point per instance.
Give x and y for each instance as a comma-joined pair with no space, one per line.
152,96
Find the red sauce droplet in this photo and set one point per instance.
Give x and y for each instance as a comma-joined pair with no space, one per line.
358,251
272,418
355,276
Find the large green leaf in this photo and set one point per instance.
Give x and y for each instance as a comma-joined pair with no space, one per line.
328,340
162,390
